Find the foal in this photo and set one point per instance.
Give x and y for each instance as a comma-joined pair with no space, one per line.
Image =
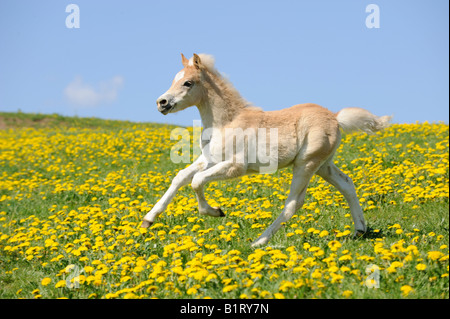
307,138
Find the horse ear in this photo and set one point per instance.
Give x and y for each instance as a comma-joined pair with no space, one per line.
184,60
197,62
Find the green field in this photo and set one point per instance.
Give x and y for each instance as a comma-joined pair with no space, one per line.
73,192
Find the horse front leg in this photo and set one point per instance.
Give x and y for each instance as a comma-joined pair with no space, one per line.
220,171
183,177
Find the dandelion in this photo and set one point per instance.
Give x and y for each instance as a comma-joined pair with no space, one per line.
89,269
345,257
191,291
111,295
333,269
323,233
347,293
138,269
421,267
125,278
336,278
434,255
316,274
46,281
229,288
210,277
406,290
334,245
97,282
60,284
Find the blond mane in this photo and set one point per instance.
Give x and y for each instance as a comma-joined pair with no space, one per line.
208,61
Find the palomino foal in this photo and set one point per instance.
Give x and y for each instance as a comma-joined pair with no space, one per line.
307,138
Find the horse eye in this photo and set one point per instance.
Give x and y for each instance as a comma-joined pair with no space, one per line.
188,84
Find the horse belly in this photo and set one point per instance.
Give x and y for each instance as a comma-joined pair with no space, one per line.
272,154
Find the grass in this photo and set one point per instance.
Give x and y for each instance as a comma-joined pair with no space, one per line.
73,192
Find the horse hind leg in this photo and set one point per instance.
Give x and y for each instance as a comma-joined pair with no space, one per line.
300,180
345,186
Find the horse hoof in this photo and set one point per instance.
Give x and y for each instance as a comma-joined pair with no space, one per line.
258,243
359,233
221,213
146,224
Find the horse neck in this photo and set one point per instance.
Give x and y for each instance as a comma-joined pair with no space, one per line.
221,103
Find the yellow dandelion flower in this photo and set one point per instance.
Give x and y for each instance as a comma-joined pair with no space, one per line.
434,255
316,274
46,281
229,288
421,266
125,278
138,269
347,293
406,290
278,295
323,233
89,269
334,245
191,291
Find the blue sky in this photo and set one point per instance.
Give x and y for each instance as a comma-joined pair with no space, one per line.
277,54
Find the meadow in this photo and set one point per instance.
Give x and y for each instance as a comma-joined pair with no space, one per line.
73,193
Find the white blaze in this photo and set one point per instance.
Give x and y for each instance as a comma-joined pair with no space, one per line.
179,76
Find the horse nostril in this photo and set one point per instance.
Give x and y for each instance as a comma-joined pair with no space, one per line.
162,102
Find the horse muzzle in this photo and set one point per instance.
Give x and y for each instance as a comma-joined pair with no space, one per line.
165,105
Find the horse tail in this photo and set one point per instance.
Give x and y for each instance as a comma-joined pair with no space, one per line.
357,119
